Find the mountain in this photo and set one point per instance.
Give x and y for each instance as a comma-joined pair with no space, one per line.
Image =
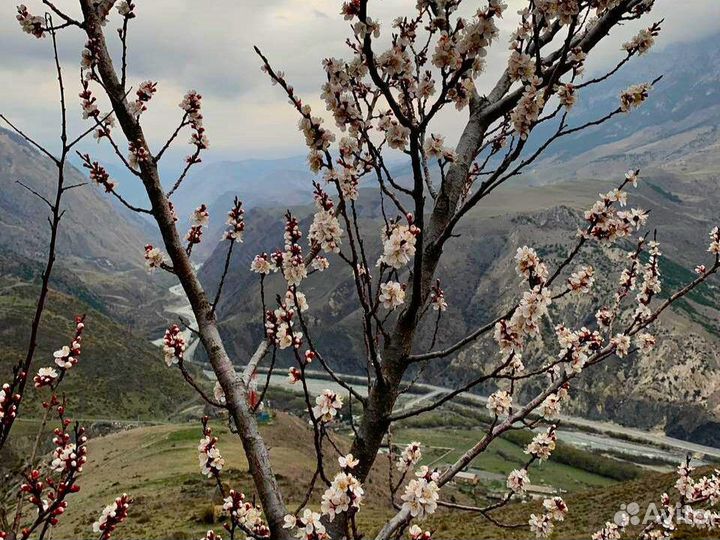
480,283
92,231
676,129
258,182
100,243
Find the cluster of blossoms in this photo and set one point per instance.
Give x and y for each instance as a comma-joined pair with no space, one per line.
345,492
297,300
293,264
567,95
137,154
643,41
88,60
8,403
509,334
399,243
327,406
410,457
634,96
434,147
244,515
397,136
173,345
192,105
416,533
209,457
30,24
143,95
437,297
562,10
337,92
317,138
500,403
265,264
550,407
521,66
707,488
607,224
455,50
89,102
704,491
526,113
530,267
48,494
576,59
279,324
651,284
45,377
518,480
346,178
154,258
67,357
392,294
581,281
51,505
555,509
421,494
235,222
309,526
325,231
126,8
542,444
199,219
98,175
68,456
714,247
576,346
112,516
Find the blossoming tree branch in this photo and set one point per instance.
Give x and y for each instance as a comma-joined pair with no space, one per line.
384,101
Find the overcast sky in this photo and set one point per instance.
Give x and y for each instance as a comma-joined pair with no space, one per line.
207,46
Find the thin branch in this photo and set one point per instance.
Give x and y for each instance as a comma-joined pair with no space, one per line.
29,140
31,190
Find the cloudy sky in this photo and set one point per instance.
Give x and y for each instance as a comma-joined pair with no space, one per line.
207,45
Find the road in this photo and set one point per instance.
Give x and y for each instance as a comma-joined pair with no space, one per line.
578,431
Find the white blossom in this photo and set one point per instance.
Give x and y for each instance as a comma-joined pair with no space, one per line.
327,406
420,497
500,403
518,480
392,294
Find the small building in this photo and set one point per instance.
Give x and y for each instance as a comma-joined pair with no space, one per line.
464,477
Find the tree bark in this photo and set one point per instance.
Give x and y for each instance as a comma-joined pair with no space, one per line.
235,389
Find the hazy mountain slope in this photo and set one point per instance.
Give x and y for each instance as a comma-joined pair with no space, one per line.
260,182
92,230
120,374
100,245
676,129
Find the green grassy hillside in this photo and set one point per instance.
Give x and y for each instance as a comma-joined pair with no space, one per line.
158,466
120,375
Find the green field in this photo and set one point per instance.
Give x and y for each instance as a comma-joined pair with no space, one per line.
501,457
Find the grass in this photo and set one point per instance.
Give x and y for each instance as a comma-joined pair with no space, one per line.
118,374
158,466
501,457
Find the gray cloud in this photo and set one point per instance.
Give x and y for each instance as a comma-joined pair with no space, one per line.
208,46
